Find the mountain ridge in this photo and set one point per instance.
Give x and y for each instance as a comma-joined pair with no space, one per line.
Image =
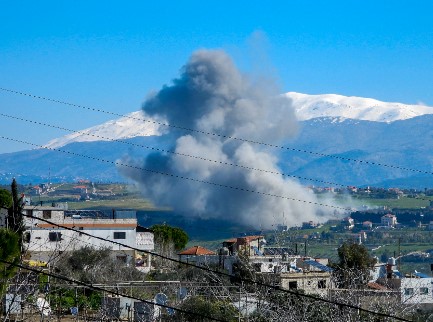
307,107
405,143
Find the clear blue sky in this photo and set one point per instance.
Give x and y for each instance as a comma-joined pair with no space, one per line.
110,54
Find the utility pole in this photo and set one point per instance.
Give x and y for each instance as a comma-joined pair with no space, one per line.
399,254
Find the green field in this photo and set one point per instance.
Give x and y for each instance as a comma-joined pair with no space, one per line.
125,203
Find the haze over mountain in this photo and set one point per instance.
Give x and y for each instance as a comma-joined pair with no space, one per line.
307,107
350,127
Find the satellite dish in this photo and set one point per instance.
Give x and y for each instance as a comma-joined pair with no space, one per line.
170,311
160,298
43,306
182,293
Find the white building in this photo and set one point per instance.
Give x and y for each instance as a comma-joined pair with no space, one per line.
388,220
45,240
416,290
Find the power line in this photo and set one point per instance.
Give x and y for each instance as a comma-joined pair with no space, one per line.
168,151
97,288
178,176
178,153
216,134
277,288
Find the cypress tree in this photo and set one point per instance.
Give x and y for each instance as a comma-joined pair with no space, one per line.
15,216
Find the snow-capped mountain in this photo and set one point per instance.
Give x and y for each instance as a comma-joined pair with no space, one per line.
307,107
359,108
333,126
129,126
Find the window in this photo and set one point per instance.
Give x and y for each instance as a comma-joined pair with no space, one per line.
321,284
26,237
46,214
29,212
423,290
408,291
119,235
54,236
293,285
121,258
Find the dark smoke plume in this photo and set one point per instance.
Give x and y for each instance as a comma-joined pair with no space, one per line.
211,95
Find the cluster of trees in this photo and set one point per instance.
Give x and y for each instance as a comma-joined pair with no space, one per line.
11,236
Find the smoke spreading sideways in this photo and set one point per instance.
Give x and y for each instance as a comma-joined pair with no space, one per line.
213,96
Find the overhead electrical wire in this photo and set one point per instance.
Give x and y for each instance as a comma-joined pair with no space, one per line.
118,163
366,162
246,280
81,132
178,153
168,151
100,289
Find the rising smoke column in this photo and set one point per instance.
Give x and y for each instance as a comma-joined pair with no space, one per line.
212,96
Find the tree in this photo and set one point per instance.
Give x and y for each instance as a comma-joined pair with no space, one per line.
5,199
15,216
95,265
168,241
217,309
354,265
165,234
9,252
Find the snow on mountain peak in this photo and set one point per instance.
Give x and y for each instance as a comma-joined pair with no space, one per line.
129,126
331,106
352,107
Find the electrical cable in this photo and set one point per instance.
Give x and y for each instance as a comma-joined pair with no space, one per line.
250,281
100,289
216,134
178,176
169,151
181,154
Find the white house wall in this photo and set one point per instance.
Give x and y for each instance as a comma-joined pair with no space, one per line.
416,290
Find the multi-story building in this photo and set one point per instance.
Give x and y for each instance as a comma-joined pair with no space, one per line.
47,234
388,220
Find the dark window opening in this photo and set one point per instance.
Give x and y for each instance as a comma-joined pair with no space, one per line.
46,214
119,235
54,236
26,237
321,284
121,258
293,285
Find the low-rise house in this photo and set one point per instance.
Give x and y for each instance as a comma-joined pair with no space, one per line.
348,223
309,225
388,220
193,254
247,245
311,275
367,225
45,240
416,289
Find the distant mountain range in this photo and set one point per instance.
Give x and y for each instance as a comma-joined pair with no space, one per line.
334,128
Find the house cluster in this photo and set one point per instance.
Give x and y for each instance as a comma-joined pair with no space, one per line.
288,270
313,275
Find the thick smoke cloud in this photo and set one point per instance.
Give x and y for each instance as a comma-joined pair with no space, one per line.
212,96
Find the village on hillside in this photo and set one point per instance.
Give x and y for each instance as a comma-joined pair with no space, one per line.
136,273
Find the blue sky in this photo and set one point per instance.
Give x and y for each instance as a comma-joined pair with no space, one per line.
110,54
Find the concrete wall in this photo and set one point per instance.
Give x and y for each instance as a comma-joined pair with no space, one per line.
310,282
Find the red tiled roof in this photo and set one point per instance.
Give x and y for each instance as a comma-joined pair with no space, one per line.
376,286
197,250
